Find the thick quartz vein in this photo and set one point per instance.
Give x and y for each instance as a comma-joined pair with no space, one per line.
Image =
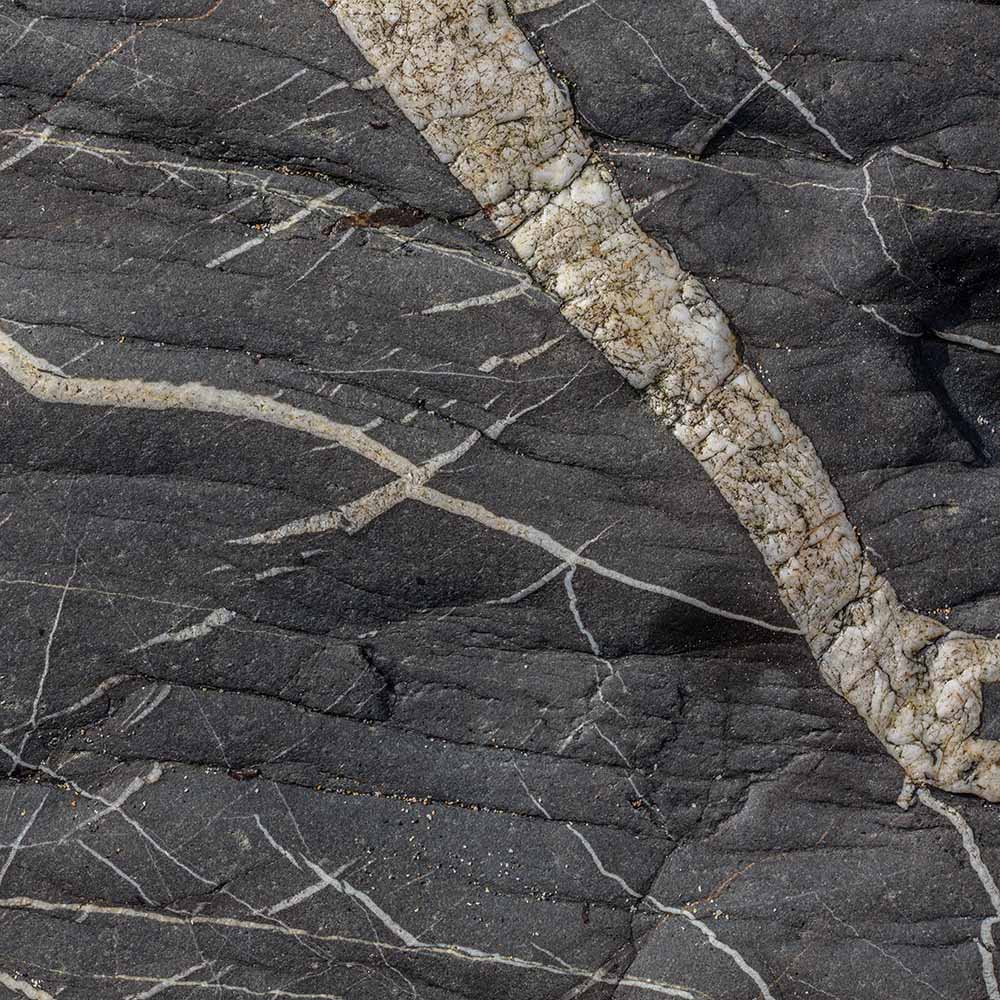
467,78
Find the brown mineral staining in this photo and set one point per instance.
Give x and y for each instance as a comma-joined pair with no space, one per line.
396,216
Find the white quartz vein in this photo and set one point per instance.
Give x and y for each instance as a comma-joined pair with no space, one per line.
866,170
23,988
496,360
676,911
985,944
107,862
148,705
522,288
35,376
917,685
212,621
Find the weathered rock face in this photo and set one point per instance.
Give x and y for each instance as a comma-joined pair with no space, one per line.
364,633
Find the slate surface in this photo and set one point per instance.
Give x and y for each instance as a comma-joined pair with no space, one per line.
421,759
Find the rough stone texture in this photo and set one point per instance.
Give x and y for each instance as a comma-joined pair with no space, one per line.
529,788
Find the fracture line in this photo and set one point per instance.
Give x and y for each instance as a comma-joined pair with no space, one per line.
161,696
499,426
83,702
284,852
344,887
476,512
336,246
33,718
764,71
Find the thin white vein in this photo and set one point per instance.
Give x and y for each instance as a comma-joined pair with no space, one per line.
548,577
322,257
165,984
955,338
136,394
339,85
875,314
217,987
527,791
283,851
215,619
722,122
917,158
88,699
562,17
961,338
162,693
765,70
656,57
676,911
313,118
358,514
939,165
107,862
293,220
453,951
499,426
19,840
110,806
515,291
496,360
866,170
985,943
26,989
575,611
261,183
267,93
296,898
33,718
311,524
39,140
345,888
202,398
534,536
20,38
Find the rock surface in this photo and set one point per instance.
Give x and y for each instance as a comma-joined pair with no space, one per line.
270,728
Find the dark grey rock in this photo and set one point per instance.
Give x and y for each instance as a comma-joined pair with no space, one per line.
367,770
